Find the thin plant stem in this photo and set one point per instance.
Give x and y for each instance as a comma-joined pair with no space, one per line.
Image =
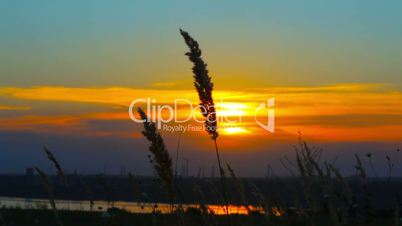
49,190
177,156
222,177
373,168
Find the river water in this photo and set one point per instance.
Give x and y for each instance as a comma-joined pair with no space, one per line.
85,205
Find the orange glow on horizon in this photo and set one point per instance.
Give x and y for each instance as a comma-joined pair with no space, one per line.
356,112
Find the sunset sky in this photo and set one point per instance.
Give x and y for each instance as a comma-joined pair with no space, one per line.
69,70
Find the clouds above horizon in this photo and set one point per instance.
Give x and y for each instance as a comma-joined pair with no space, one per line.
340,112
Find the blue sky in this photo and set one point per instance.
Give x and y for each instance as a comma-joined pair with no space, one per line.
103,43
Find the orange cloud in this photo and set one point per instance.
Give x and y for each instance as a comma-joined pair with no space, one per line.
13,108
344,112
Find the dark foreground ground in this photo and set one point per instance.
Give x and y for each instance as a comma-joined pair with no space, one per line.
19,217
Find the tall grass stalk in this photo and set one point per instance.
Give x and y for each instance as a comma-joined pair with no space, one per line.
202,206
49,190
369,155
364,183
204,87
88,193
57,165
240,189
262,202
59,171
161,159
345,195
396,211
135,188
177,157
391,164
